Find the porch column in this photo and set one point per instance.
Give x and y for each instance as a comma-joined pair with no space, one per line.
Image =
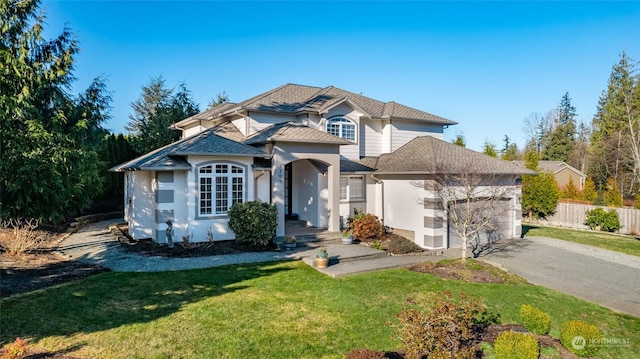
277,196
334,195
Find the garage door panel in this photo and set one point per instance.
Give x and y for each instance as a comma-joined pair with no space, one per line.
499,228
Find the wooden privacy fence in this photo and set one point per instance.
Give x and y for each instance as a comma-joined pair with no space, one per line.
573,215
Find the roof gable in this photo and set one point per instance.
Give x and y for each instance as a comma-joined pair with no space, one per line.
172,156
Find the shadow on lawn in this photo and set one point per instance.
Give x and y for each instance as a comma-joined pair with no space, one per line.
113,299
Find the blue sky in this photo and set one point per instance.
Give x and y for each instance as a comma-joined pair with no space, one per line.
485,65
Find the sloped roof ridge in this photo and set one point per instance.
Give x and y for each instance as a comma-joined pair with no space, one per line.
314,98
264,94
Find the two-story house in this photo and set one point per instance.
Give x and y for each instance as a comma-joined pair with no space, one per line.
314,152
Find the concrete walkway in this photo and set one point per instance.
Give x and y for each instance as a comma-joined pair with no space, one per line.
94,244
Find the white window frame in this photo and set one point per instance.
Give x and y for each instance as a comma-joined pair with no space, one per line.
347,194
212,177
341,123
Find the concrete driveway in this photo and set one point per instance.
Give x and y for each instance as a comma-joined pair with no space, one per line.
605,277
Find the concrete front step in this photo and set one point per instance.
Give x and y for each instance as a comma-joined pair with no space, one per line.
344,268
317,237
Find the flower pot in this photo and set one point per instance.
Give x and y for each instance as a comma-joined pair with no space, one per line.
322,262
347,239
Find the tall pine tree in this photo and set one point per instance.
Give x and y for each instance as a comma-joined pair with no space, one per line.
49,164
615,138
155,111
561,139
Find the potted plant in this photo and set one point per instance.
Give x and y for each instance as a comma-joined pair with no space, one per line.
347,237
322,258
289,243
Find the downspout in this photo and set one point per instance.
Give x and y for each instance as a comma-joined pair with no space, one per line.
381,183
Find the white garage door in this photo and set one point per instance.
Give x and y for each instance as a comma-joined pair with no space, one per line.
500,227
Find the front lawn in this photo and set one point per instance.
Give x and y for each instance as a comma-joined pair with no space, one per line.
267,310
619,243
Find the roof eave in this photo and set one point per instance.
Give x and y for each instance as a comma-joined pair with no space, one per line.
261,155
442,121
173,168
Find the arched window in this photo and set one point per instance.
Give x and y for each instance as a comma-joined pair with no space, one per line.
221,185
343,128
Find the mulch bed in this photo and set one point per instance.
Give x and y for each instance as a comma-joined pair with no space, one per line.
147,247
457,271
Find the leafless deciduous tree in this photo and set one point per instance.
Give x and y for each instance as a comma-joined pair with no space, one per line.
474,198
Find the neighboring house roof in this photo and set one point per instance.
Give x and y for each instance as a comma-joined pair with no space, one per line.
297,99
554,167
171,157
294,132
429,155
349,166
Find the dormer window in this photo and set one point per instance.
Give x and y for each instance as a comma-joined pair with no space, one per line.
343,128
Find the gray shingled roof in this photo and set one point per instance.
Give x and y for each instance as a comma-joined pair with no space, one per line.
296,99
171,157
553,167
429,155
349,166
294,132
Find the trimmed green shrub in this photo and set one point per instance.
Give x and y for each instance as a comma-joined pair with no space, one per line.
535,320
366,227
403,246
253,222
602,220
580,338
514,345
442,328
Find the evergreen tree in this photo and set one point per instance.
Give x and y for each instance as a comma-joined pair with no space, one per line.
221,97
570,191
561,139
589,192
155,111
615,138
459,140
490,149
512,153
540,193
48,138
612,196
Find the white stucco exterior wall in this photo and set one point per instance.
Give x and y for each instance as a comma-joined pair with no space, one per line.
403,208
218,224
141,215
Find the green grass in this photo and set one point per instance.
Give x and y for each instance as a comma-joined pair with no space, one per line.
619,243
268,310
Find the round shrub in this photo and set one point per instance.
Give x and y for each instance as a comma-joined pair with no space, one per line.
602,220
366,227
580,338
514,345
253,222
442,327
535,320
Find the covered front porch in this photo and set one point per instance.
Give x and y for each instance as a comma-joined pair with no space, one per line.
305,233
